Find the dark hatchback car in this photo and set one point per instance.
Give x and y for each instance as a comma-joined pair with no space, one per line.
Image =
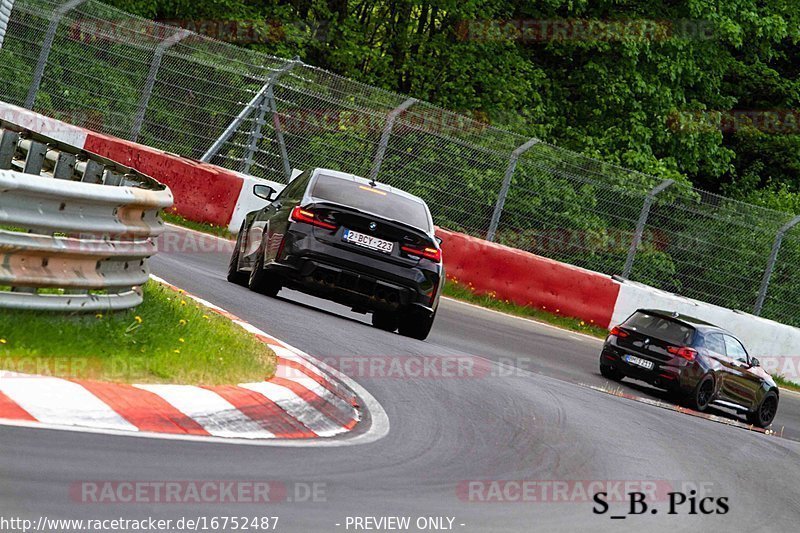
699,362
341,237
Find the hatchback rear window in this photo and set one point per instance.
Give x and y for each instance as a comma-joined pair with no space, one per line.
661,328
374,200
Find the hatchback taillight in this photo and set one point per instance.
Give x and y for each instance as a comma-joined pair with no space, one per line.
683,351
616,331
429,252
309,217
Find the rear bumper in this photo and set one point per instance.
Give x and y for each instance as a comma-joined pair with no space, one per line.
682,379
357,280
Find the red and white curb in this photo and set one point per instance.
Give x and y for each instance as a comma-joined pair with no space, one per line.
302,402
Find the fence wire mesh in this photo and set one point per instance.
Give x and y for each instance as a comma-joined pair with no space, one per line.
179,91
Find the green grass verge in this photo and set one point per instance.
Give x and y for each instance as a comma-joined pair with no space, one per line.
784,383
167,339
459,291
220,231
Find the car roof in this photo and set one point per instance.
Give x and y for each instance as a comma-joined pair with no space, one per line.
694,322
363,181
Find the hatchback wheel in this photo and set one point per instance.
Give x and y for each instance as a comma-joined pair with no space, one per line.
765,413
700,399
609,372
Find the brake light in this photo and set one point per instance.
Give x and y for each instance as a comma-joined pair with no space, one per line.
434,254
683,351
616,331
309,217
435,289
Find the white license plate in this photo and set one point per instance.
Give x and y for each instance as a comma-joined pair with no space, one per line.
638,361
368,241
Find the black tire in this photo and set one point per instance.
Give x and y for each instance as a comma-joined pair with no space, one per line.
415,324
765,413
260,280
700,398
611,373
385,321
234,274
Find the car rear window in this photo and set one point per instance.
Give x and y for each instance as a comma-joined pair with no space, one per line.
661,328
374,200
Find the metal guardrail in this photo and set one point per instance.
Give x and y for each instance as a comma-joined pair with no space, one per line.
5,14
76,229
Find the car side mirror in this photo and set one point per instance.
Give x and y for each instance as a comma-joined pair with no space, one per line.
754,362
265,192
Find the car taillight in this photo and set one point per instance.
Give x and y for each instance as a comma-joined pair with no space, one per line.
683,351
616,331
434,254
309,217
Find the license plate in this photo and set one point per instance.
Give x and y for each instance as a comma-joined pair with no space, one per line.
368,241
638,361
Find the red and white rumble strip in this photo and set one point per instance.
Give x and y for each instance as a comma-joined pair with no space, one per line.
301,401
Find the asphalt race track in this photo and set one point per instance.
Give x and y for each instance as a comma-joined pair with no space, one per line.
521,415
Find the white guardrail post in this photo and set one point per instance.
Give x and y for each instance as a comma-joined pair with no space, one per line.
76,230
5,15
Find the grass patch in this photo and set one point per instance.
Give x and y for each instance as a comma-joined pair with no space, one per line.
219,231
167,339
784,383
459,291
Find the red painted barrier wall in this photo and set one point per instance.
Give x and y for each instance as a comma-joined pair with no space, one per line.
527,279
203,193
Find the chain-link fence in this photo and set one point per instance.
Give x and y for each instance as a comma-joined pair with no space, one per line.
98,67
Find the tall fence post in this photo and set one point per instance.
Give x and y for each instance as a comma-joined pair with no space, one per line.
47,45
501,197
276,124
643,216
246,111
147,92
255,132
377,162
773,259
5,15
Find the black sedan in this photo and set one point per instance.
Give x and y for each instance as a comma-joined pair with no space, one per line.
344,238
700,363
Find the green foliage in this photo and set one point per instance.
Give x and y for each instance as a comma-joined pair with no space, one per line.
610,91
